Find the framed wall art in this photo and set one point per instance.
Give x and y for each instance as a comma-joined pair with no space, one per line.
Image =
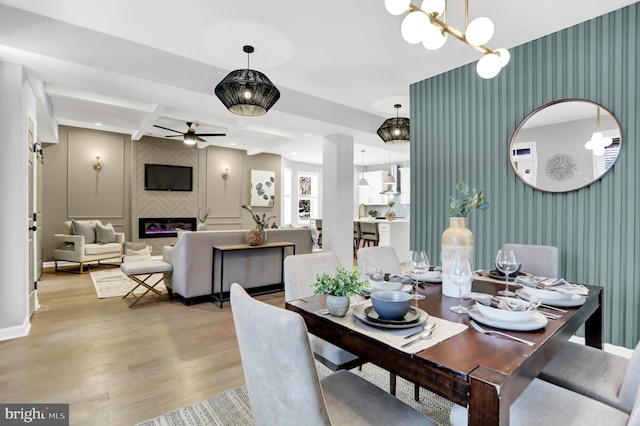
263,188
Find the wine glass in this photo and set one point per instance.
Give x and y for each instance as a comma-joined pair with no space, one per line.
507,264
417,264
461,274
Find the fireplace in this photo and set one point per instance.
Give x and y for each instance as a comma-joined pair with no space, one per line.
158,227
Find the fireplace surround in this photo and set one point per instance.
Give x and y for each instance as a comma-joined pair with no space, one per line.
163,227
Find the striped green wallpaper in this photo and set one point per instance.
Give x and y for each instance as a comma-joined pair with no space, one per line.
461,126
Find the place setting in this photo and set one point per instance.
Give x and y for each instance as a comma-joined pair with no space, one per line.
552,292
507,313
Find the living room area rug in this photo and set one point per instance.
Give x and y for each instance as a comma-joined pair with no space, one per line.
232,408
113,282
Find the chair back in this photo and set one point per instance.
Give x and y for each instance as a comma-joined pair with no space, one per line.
318,224
300,272
630,388
279,370
356,229
541,261
369,231
383,257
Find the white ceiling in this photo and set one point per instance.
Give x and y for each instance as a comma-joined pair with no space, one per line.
340,65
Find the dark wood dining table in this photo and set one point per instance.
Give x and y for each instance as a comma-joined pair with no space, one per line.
484,373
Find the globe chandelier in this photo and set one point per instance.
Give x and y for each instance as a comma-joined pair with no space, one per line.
598,141
428,25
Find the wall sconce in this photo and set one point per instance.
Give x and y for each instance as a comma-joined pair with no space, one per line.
225,175
96,164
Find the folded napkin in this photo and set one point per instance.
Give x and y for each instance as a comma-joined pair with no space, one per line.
504,303
552,284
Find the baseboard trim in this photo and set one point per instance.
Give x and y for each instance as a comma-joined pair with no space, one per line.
16,331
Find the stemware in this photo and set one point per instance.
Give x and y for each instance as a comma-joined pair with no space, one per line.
461,274
417,264
506,263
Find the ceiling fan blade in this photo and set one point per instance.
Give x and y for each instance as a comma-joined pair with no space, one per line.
166,128
211,134
174,136
192,127
200,139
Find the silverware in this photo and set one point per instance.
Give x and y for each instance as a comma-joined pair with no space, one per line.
550,315
426,335
427,326
499,333
554,308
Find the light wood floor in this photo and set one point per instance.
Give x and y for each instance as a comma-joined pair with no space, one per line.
115,365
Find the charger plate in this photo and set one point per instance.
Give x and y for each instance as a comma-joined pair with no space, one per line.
359,312
536,322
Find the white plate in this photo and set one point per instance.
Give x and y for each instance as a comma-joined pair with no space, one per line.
571,302
505,315
407,289
547,294
536,322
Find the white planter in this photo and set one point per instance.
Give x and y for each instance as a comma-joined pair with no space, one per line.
338,305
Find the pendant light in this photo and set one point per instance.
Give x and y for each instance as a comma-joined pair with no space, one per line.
362,181
389,180
247,92
395,130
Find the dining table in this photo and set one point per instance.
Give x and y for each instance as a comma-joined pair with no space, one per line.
484,373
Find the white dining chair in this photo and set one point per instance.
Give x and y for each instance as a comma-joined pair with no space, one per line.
543,403
282,381
299,273
383,257
606,377
541,261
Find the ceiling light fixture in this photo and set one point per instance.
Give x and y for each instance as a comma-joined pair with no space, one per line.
389,179
190,138
247,92
362,181
395,130
598,141
422,24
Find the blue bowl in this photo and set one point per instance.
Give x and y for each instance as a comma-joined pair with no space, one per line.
391,305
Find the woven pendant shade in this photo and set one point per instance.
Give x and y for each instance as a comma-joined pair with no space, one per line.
395,130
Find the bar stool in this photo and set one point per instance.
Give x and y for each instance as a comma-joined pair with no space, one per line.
369,233
319,231
356,238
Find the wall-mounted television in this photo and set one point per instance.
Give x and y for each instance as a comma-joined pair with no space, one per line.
163,177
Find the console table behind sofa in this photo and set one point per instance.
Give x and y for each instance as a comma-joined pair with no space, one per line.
191,261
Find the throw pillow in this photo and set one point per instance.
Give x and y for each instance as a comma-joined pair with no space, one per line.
128,245
126,259
105,233
86,229
144,252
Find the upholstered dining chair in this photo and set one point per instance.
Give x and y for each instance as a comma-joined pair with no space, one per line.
282,381
606,377
299,273
369,233
356,238
544,403
541,261
385,258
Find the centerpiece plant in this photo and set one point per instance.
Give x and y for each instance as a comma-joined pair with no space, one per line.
466,200
338,289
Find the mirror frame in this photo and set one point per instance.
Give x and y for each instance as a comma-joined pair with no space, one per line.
547,105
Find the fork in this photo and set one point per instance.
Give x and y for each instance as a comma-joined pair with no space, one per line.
499,333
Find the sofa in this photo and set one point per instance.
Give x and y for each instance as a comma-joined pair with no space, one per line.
82,249
191,258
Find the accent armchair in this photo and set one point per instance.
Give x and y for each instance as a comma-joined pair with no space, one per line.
90,242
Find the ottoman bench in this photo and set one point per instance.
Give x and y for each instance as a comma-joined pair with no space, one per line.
141,271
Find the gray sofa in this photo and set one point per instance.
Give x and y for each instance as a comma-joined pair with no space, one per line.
192,254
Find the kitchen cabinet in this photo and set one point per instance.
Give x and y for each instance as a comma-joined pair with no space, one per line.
405,185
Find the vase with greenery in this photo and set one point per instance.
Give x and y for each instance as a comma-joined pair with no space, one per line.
261,223
338,289
457,240
202,219
390,214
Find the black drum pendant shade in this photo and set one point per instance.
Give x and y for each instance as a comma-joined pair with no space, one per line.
247,92
395,130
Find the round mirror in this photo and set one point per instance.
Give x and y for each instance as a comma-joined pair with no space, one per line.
565,145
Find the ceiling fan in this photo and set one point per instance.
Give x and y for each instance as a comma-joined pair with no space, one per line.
190,137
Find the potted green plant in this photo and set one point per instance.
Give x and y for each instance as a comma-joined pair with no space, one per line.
338,289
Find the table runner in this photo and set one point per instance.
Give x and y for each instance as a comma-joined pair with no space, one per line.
395,337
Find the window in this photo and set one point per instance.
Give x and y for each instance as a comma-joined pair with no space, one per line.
286,197
308,191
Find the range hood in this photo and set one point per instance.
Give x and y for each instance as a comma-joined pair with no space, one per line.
393,189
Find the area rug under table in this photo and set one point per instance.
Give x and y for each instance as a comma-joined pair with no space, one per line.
114,283
232,408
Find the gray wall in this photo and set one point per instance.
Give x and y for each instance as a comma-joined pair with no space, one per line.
461,128
73,189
